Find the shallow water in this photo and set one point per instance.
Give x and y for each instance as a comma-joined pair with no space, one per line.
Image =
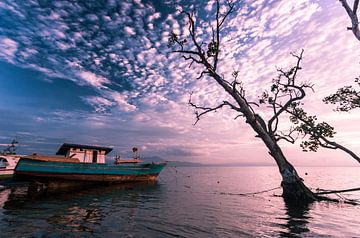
185,202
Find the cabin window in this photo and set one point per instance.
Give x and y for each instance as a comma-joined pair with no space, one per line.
3,163
94,157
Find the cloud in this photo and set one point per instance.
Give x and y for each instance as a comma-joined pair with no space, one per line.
8,49
93,79
122,57
121,101
12,8
100,104
153,17
129,30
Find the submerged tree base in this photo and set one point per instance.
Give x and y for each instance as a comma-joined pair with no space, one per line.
297,192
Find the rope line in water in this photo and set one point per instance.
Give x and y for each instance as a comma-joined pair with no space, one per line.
253,193
176,171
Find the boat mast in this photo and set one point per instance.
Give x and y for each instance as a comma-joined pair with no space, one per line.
10,149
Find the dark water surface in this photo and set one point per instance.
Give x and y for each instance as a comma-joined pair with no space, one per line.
185,202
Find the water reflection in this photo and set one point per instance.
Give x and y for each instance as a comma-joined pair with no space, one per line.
177,206
83,211
75,217
297,219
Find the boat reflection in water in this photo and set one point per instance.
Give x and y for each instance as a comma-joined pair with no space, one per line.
54,211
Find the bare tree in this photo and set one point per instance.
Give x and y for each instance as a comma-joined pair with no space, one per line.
352,13
284,98
207,56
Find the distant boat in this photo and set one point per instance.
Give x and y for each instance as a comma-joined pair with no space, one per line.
85,163
7,166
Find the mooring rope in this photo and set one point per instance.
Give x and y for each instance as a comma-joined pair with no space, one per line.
178,172
252,193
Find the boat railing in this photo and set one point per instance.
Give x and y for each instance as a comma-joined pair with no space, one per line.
119,161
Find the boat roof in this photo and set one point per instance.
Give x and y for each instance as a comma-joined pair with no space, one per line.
50,158
66,147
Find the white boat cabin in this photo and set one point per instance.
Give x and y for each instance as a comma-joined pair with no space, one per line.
7,165
84,153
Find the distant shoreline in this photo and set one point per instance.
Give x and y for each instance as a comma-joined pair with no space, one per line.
190,164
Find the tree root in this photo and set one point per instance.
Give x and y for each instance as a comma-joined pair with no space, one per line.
341,199
335,191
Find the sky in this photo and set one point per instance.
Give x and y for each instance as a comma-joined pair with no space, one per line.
100,72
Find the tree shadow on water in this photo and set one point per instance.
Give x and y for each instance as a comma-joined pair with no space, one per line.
297,218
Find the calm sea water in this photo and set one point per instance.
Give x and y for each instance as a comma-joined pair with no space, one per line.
185,202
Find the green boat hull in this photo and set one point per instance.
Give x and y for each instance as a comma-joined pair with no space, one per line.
5,176
34,169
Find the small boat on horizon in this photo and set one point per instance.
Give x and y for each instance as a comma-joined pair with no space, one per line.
75,162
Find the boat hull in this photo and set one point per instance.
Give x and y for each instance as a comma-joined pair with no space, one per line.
6,174
27,168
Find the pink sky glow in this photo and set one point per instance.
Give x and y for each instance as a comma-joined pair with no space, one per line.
156,117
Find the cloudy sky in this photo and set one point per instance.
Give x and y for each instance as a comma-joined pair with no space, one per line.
100,72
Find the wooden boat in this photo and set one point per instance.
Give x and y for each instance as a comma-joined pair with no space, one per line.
84,163
8,160
7,166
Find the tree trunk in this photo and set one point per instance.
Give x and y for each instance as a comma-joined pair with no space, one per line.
294,190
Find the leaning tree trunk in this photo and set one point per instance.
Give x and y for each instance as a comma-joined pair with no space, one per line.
294,190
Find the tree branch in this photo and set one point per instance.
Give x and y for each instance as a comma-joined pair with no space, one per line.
206,110
352,13
278,87
318,133
288,137
347,98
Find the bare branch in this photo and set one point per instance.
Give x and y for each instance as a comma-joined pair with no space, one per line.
231,8
238,116
219,23
186,52
326,145
355,7
192,60
286,138
205,110
289,136
254,103
297,94
202,74
352,13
